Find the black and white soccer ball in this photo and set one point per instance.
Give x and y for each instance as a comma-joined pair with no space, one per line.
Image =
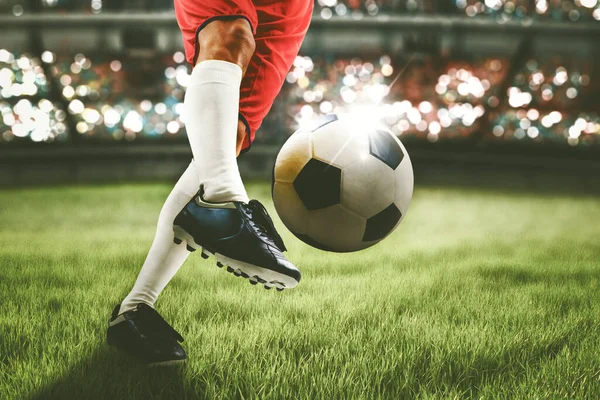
342,186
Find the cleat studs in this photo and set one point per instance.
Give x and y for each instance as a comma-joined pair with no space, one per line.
190,248
204,255
245,275
260,280
219,264
237,273
253,283
268,287
177,241
229,269
280,289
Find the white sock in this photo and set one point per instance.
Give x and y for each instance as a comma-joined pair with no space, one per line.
165,257
212,105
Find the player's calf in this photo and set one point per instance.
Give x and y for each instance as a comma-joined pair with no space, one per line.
225,48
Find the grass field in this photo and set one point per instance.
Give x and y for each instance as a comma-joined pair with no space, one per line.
477,295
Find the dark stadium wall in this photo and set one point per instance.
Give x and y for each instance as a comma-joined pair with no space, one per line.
493,168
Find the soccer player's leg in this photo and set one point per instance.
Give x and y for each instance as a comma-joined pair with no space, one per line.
135,327
221,220
282,26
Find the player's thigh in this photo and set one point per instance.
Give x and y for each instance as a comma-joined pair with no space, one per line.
195,15
281,28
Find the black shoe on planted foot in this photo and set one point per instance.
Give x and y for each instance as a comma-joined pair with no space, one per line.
241,236
144,334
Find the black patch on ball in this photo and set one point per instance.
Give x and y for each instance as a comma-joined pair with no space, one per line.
318,185
383,146
379,225
312,242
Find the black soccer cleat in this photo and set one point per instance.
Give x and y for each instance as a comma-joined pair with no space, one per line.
241,236
144,334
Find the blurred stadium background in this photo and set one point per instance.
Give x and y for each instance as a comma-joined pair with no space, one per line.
486,91
480,293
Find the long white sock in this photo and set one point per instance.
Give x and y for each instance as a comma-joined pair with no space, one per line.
165,257
212,105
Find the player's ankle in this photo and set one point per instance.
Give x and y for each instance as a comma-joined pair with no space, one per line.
224,186
225,195
131,305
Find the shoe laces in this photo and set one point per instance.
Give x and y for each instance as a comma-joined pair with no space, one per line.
263,223
159,322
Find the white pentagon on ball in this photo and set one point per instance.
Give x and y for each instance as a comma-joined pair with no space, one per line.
342,186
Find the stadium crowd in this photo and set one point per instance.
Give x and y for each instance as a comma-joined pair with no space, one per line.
116,98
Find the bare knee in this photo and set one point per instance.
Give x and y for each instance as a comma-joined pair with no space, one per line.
230,41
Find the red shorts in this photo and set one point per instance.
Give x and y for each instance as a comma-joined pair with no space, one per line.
279,27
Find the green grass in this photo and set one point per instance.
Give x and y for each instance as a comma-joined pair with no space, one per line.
477,295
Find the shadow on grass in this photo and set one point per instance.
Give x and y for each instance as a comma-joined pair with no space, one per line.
109,374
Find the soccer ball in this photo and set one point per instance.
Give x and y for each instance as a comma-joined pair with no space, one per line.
342,186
